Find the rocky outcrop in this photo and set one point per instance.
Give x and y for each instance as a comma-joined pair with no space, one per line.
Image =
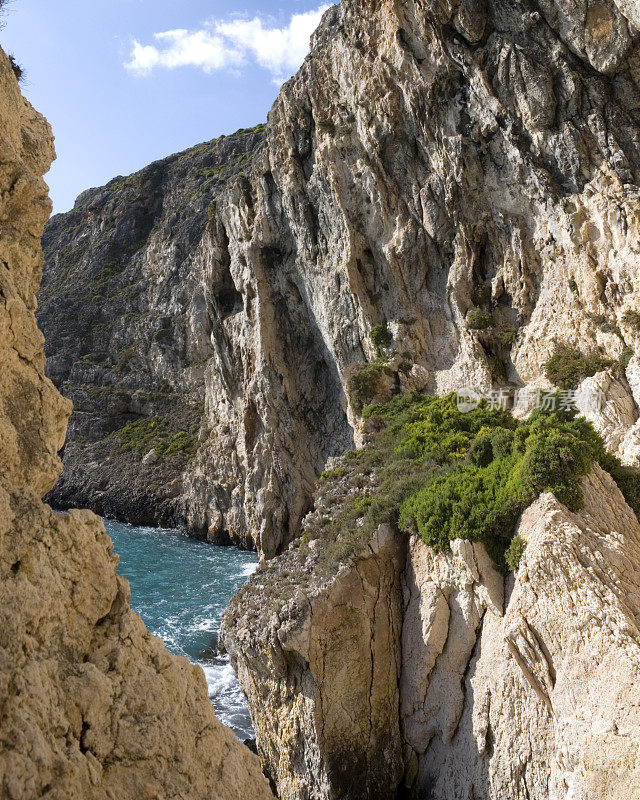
318,658
91,705
545,703
467,173
525,687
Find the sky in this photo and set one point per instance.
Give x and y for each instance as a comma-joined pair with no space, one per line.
125,82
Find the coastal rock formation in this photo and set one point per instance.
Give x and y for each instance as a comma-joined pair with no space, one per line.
91,705
546,706
526,687
318,658
464,173
124,304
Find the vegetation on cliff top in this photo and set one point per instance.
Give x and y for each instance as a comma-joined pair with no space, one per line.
445,474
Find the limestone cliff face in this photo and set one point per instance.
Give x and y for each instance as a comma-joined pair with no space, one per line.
466,172
431,162
125,306
525,688
317,655
91,705
541,701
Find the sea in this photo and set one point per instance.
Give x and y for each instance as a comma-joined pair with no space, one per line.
180,587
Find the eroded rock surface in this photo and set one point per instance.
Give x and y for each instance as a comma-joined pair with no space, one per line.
546,706
91,705
526,688
466,172
316,648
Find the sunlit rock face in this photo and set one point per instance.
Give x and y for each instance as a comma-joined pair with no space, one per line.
398,669
466,172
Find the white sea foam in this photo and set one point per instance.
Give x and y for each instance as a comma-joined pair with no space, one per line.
180,587
227,697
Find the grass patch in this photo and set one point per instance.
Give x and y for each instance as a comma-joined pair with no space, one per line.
429,468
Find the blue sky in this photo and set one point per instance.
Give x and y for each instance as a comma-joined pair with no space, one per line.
125,82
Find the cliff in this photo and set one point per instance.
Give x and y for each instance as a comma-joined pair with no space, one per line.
397,669
124,304
465,174
446,195
91,705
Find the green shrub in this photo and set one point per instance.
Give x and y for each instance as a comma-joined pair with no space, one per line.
508,336
480,320
181,443
515,552
362,503
625,357
333,474
445,474
632,319
155,433
362,386
573,285
380,336
568,366
483,497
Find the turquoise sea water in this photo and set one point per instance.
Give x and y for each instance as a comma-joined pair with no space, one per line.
180,587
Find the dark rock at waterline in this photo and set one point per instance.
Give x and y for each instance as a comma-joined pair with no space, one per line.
212,652
251,744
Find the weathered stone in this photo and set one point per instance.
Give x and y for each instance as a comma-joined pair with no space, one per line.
319,664
544,704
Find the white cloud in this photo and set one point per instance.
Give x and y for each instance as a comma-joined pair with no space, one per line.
229,44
